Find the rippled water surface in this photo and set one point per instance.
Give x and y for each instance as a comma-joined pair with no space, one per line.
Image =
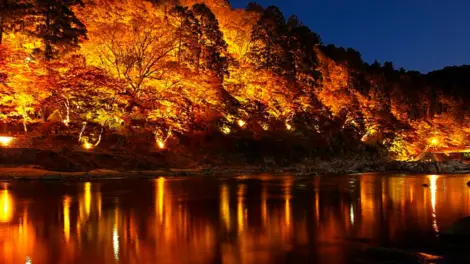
248,219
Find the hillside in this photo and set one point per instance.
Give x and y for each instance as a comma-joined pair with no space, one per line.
199,78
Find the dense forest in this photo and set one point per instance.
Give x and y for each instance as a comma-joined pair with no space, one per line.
192,75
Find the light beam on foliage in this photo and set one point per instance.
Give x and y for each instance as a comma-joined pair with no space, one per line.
84,140
265,126
6,141
87,145
161,143
226,130
370,132
434,141
241,123
288,126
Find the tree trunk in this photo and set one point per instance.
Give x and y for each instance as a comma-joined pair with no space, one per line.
47,42
3,7
1,29
180,40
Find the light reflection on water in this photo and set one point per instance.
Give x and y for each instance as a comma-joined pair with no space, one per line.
433,189
259,219
66,210
7,205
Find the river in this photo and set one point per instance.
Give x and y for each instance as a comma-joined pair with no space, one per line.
246,219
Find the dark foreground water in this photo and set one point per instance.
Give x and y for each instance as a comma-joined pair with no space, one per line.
249,219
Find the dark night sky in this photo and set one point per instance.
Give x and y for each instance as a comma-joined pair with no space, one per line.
422,35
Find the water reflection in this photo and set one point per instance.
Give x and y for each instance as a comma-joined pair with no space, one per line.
351,214
264,203
7,205
225,206
259,219
240,207
116,242
159,193
433,189
66,215
87,198
287,196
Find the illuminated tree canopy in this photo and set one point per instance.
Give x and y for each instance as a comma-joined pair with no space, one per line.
173,68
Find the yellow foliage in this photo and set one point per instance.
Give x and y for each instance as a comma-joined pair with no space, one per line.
334,90
128,69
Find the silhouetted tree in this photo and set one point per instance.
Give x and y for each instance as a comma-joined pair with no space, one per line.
375,65
187,33
213,49
269,37
301,44
57,25
254,7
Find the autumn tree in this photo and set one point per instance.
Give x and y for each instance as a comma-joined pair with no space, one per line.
236,26
333,90
138,48
85,93
11,14
134,49
24,86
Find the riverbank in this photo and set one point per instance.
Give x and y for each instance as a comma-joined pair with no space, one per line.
16,163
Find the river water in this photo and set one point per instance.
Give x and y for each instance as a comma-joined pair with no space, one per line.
246,219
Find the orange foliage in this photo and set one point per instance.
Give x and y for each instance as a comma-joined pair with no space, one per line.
130,70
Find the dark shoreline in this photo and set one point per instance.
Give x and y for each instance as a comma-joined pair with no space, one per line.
23,164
